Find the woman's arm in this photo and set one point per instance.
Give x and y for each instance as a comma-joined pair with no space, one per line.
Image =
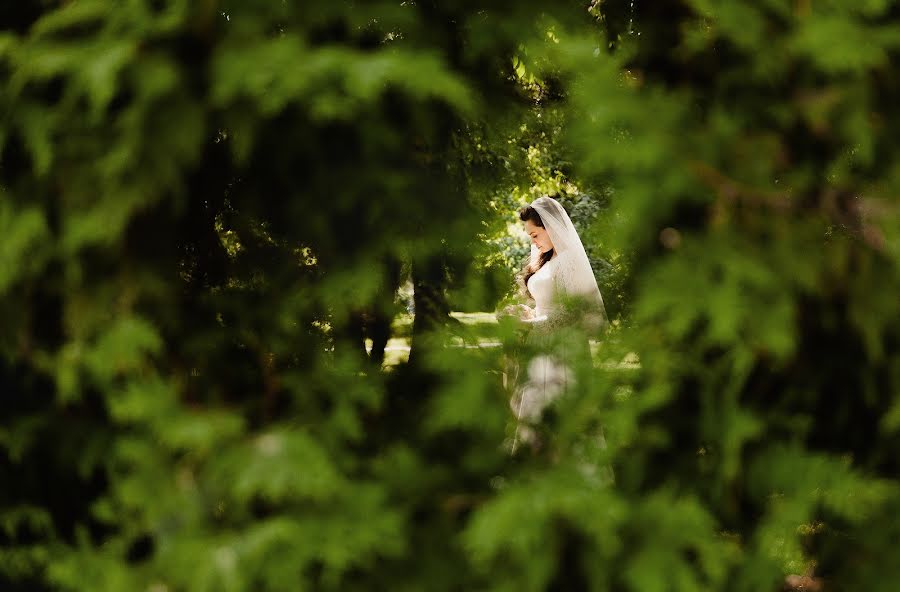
534,319
522,312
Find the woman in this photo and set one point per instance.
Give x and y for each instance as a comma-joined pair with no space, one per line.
560,281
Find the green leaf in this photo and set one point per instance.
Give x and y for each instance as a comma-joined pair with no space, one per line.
24,246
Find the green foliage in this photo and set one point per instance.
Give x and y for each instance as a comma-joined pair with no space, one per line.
208,209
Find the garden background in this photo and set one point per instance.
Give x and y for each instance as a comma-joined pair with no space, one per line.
251,251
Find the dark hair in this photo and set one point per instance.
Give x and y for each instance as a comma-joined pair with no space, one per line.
525,214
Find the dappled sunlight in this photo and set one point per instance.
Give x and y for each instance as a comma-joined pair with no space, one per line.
399,295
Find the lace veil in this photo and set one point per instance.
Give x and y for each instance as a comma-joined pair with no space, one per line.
574,276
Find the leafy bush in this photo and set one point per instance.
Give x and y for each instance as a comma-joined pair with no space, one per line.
208,207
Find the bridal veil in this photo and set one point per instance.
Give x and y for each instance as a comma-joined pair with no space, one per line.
574,276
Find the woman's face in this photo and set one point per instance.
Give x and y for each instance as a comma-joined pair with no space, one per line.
539,236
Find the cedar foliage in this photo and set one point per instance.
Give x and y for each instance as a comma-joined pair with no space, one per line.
206,207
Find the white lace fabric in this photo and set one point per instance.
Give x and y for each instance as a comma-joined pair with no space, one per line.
572,271
567,276
542,287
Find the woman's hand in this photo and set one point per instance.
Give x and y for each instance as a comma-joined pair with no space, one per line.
525,312
521,312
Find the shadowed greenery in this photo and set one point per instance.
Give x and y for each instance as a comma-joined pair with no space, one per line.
223,223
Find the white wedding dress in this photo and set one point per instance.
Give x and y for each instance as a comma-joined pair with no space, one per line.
550,373
565,279
542,287
547,376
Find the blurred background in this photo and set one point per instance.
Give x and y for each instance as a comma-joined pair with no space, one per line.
251,255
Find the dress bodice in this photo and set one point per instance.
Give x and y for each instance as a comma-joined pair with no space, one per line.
542,287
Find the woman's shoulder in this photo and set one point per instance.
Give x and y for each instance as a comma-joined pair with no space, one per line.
557,261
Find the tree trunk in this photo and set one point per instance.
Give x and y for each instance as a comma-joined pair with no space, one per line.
382,316
432,308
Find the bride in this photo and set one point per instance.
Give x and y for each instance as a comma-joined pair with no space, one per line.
559,280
